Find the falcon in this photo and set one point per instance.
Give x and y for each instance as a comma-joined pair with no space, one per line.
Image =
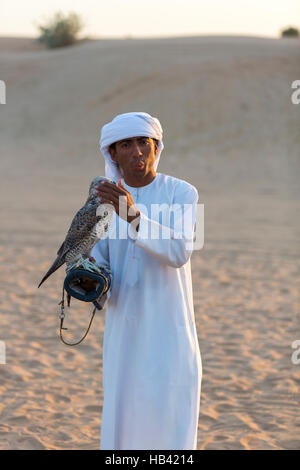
87,227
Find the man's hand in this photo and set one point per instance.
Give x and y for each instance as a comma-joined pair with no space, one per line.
109,193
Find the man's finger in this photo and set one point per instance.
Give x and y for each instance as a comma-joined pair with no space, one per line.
107,201
116,197
109,197
120,184
108,191
112,186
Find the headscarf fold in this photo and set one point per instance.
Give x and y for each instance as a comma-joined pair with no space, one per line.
125,126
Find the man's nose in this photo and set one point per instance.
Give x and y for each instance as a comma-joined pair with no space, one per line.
136,150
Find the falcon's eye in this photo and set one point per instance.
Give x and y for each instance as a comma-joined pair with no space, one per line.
105,213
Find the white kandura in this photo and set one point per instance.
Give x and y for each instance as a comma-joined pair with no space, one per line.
152,366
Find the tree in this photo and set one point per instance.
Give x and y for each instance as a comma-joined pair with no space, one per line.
61,30
290,33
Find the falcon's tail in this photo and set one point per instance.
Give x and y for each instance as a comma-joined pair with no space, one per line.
57,264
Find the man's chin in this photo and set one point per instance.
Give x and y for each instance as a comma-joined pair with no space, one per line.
139,172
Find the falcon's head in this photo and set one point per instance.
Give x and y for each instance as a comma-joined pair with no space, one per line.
95,182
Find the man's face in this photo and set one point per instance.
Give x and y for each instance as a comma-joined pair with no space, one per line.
135,156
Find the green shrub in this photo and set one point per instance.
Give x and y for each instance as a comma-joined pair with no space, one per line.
290,33
61,30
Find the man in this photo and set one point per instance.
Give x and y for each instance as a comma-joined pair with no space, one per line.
152,367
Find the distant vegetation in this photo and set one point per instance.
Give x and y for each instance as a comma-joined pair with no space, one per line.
290,32
61,30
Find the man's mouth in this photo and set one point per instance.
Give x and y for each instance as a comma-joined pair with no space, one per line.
139,165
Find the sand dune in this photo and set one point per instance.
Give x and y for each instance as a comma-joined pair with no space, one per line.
232,131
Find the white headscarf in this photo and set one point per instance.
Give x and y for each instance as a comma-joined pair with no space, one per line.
125,126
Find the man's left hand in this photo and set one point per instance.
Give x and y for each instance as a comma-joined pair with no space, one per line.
109,193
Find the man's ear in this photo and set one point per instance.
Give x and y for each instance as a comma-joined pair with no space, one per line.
113,155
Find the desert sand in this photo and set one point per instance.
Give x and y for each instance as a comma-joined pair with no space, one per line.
231,130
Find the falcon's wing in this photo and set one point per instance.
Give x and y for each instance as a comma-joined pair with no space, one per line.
81,225
61,250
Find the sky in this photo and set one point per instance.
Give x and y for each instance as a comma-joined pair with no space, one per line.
155,18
